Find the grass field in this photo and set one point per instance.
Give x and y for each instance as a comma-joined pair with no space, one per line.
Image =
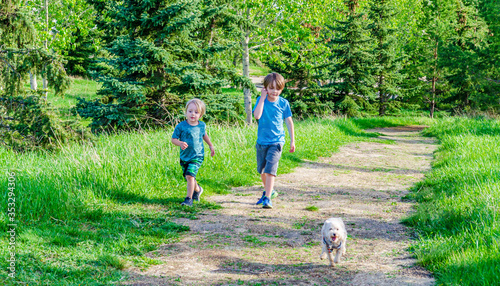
458,214
89,211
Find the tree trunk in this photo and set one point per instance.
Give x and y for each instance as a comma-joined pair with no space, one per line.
44,78
247,95
381,109
33,83
434,79
433,97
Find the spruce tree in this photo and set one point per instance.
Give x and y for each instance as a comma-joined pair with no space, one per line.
387,63
463,57
351,82
427,76
164,53
26,121
491,54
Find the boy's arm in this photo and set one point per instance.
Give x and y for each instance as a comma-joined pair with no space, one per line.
212,149
291,132
257,113
180,143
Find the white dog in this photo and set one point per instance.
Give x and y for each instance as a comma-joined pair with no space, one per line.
333,239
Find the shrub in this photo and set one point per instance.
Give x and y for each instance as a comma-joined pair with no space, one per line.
29,124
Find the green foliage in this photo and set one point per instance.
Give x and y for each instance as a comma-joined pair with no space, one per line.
223,108
350,75
16,27
164,54
69,31
28,124
463,60
386,70
80,56
302,63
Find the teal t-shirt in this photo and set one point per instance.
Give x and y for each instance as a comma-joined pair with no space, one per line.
193,136
271,129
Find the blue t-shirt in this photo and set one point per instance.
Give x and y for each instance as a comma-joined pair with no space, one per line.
193,136
271,129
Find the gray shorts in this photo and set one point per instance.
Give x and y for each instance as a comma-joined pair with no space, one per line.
268,157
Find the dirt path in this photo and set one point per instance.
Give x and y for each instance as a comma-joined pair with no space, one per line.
243,244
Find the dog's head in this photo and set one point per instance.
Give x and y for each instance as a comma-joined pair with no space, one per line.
333,232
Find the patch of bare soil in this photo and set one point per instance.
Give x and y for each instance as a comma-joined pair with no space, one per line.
243,244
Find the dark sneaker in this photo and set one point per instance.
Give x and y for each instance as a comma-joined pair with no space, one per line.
196,195
266,203
187,202
274,194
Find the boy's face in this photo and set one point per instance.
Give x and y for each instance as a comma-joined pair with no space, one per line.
192,114
273,92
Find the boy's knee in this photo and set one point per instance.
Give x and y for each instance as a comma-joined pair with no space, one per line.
189,177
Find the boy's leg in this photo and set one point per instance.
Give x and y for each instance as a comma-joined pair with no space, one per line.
191,185
268,180
189,170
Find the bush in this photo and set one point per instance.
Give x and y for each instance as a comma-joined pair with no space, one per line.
29,124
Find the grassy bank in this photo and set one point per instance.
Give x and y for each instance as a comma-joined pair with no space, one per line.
458,214
88,211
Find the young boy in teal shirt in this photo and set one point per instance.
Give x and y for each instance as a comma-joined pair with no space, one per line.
270,110
189,136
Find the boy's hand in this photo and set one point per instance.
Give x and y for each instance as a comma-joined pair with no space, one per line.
263,93
292,147
184,145
212,151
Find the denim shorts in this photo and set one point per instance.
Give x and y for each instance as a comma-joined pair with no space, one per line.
191,167
268,157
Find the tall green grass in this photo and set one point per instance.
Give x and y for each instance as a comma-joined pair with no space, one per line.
458,213
90,210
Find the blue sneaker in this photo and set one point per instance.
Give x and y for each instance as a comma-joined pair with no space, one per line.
274,194
266,203
196,195
187,202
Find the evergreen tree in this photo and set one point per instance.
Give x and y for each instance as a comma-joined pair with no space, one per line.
81,55
165,52
462,56
26,121
351,81
489,11
427,76
387,64
301,60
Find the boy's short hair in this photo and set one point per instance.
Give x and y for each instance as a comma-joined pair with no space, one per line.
200,105
275,77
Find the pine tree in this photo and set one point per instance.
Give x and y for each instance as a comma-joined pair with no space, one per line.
26,121
462,56
80,56
387,64
351,62
165,52
427,75
491,54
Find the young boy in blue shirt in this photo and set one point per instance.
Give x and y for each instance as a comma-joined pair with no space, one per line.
189,136
270,110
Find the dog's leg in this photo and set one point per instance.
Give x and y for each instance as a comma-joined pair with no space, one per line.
344,245
323,251
338,255
330,257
